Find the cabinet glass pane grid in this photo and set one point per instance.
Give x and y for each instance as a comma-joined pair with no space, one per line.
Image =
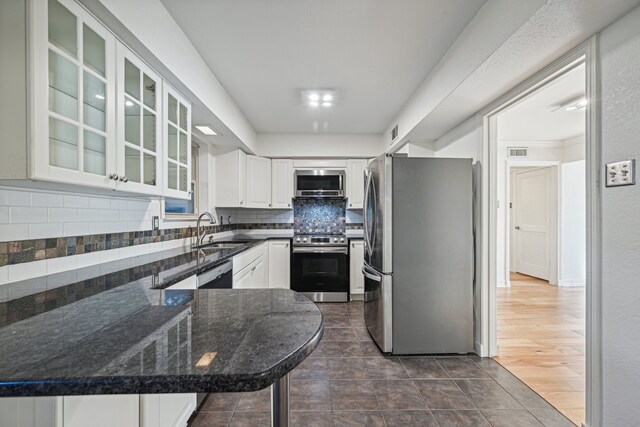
90,155
178,145
140,155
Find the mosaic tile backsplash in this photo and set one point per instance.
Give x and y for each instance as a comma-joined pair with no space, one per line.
325,216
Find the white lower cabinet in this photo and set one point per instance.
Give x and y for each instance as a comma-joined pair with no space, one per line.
122,410
279,264
251,268
356,261
166,410
31,411
101,411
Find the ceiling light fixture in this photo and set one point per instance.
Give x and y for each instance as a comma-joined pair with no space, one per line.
206,129
316,97
576,104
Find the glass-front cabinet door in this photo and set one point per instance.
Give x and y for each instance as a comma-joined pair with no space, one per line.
139,136
177,134
74,95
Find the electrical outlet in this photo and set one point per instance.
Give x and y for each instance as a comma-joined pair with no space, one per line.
155,221
621,173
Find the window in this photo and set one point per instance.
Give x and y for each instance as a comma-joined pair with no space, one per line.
185,209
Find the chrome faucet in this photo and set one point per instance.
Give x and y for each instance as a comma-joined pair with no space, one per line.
212,220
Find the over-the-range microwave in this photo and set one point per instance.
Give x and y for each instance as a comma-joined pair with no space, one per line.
319,183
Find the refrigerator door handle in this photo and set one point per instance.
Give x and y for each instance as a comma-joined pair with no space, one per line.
371,276
366,224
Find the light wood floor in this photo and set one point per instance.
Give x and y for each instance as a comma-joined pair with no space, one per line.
541,339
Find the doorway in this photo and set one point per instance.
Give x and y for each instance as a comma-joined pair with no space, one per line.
540,293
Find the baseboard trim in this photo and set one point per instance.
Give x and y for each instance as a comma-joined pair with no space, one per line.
479,349
568,283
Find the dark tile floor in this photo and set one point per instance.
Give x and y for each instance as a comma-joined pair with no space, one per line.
347,382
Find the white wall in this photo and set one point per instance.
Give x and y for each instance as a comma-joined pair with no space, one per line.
461,141
573,244
318,145
620,97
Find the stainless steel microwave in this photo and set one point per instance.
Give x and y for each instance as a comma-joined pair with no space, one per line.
319,183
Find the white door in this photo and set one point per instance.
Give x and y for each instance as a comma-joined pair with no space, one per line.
356,261
101,410
260,273
531,223
258,182
281,183
242,279
279,264
355,183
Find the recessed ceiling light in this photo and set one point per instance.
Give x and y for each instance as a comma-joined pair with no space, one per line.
327,97
313,103
326,104
205,129
314,97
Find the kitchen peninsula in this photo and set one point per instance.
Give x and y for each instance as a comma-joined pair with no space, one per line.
114,329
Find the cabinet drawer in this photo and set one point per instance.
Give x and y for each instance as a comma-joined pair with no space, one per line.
241,261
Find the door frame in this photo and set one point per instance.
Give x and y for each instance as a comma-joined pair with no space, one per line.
538,164
587,53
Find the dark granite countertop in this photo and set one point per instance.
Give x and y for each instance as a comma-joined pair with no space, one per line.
108,329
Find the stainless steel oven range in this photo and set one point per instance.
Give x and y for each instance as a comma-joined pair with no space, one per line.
320,267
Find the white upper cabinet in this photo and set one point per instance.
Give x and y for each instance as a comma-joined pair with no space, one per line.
93,112
281,183
177,137
355,183
139,135
231,179
258,182
73,97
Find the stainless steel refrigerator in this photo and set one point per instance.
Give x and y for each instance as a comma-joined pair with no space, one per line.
418,262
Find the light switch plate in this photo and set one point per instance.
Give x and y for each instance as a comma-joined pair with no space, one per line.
621,173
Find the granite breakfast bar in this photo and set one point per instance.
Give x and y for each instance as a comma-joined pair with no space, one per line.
120,333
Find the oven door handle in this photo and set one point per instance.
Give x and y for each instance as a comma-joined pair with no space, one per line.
311,250
373,277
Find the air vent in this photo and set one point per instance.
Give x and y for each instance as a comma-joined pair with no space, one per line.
394,133
517,152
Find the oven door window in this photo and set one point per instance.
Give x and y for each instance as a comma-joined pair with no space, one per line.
318,182
320,272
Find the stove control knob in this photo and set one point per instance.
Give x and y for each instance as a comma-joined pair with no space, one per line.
304,240
342,240
335,240
298,239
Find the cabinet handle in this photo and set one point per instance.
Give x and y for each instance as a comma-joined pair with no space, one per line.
286,246
124,179
113,176
241,201
288,204
350,204
269,204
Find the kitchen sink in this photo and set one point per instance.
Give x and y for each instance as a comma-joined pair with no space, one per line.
223,245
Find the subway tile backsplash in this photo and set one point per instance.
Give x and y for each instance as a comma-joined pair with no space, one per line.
44,231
